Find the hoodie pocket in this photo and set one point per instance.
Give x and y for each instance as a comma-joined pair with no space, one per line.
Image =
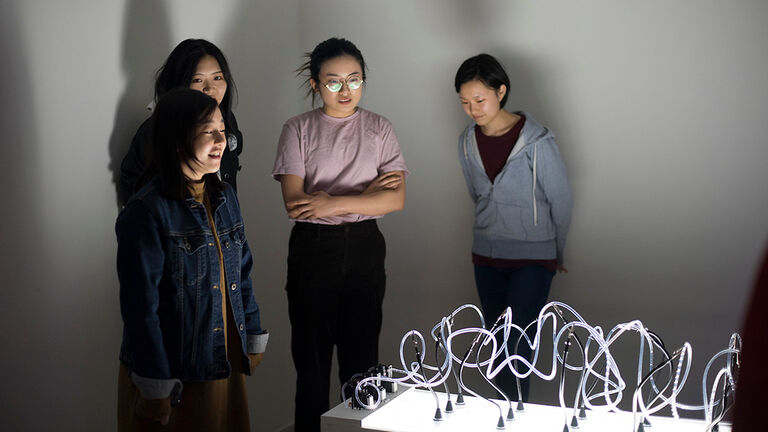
541,230
511,221
485,213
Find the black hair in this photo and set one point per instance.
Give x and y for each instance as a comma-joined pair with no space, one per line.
172,130
181,64
324,51
486,69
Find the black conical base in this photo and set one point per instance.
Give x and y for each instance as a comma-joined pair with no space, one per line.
574,423
641,428
460,399
583,413
520,406
510,414
646,423
438,415
449,407
500,424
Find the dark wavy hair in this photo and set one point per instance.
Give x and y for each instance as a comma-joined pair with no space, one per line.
324,51
486,69
172,130
181,64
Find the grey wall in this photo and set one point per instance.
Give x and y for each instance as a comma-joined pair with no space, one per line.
659,109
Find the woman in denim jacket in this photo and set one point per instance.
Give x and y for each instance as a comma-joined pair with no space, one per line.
191,324
519,186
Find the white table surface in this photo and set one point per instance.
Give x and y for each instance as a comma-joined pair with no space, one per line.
413,411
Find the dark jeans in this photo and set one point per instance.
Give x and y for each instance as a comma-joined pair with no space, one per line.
525,290
335,292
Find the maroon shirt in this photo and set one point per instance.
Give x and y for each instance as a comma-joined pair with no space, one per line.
494,151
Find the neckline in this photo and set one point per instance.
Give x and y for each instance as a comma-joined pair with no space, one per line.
338,119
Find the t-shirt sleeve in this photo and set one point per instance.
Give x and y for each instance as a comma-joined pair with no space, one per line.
391,157
290,157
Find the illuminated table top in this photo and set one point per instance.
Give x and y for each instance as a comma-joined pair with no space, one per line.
413,411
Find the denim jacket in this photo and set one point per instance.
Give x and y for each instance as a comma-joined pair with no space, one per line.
168,267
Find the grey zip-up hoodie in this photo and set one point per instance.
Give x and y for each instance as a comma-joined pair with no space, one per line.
525,213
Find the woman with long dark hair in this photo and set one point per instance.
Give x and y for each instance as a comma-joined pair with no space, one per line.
340,168
191,325
518,183
199,65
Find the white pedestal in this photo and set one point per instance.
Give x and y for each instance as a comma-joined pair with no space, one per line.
413,411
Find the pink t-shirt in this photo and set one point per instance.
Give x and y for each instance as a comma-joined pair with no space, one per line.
340,156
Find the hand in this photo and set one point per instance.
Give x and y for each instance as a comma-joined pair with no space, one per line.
561,269
255,360
158,410
318,205
387,181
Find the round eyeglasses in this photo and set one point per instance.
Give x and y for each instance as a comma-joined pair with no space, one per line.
335,85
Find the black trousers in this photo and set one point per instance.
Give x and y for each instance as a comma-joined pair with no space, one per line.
335,292
525,290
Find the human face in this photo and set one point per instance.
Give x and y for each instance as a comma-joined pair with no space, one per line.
207,146
342,103
481,103
209,78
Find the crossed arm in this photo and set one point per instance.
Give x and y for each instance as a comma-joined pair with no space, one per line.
384,195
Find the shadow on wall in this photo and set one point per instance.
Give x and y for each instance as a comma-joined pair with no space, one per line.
146,43
24,349
262,52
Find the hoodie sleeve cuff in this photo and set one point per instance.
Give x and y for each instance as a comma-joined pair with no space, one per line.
151,388
258,343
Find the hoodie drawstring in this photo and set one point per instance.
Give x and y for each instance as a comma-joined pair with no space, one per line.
535,210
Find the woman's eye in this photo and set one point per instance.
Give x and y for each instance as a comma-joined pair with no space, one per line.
196,80
218,78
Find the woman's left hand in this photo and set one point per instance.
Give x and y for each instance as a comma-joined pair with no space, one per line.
387,181
255,360
561,269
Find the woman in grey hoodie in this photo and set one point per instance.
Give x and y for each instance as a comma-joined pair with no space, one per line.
518,183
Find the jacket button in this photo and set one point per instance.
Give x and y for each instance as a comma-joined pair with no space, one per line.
234,287
241,327
226,175
210,244
215,287
226,244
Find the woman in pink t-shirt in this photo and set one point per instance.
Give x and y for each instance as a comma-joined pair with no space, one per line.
340,168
